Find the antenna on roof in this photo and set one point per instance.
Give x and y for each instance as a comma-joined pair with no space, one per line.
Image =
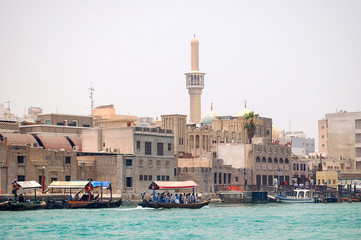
245,103
91,98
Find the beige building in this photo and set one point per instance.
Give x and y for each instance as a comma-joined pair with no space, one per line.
105,117
327,177
322,137
177,123
148,154
265,161
195,84
23,159
344,136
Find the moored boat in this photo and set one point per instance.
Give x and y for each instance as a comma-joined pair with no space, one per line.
19,203
302,196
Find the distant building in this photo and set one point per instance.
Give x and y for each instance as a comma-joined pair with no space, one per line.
105,117
148,154
344,136
301,145
322,137
266,162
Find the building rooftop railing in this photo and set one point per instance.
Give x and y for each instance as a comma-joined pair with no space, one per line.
153,130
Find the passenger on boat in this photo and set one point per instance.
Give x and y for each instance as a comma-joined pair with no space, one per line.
196,198
70,198
158,198
21,198
176,199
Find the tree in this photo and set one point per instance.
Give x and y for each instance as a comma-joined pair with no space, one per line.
250,121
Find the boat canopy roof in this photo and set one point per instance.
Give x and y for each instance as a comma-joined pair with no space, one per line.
69,184
172,185
29,184
98,184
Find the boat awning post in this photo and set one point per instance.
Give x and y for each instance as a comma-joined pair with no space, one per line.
111,192
101,191
153,192
35,194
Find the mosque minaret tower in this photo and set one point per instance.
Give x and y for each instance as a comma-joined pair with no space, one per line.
195,83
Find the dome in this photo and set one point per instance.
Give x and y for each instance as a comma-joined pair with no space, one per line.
275,132
243,112
209,116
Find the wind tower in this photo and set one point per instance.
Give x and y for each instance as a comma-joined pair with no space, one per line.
195,83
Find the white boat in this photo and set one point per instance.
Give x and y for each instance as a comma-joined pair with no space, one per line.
302,196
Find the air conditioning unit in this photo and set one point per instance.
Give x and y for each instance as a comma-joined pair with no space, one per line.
115,150
33,144
108,150
76,148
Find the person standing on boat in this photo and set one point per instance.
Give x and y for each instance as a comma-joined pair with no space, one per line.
158,198
21,198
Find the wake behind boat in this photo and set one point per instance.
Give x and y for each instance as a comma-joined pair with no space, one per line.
160,201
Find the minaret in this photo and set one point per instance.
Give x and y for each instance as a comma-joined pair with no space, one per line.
195,83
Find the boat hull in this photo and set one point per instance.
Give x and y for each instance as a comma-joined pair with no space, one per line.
94,204
295,200
11,206
152,204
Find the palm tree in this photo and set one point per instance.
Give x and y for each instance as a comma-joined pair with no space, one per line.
250,121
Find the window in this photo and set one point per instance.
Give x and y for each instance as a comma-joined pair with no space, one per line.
141,164
47,122
21,178
215,178
264,180
40,180
138,144
281,160
224,178
21,159
128,182
358,123
323,127
128,162
158,177
236,179
53,179
170,146
358,137
287,180
358,152
323,136
86,125
167,164
150,163
275,160
175,171
323,145
258,180
258,159
269,160
294,167
220,178
145,177
298,168
67,160
270,180
150,177
160,149
229,178
286,161
67,178
163,178
158,163
140,177
148,148
167,178
263,159
60,124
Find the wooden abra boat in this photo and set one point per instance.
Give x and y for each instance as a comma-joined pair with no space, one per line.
19,202
87,200
175,185
153,204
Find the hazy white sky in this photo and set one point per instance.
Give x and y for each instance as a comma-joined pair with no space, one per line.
293,61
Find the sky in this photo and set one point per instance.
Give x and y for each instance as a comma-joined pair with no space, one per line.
293,61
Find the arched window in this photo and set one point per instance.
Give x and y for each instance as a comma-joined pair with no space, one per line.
281,160
275,160
197,141
192,141
263,159
258,159
286,161
269,160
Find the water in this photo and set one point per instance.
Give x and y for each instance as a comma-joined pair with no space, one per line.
233,221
